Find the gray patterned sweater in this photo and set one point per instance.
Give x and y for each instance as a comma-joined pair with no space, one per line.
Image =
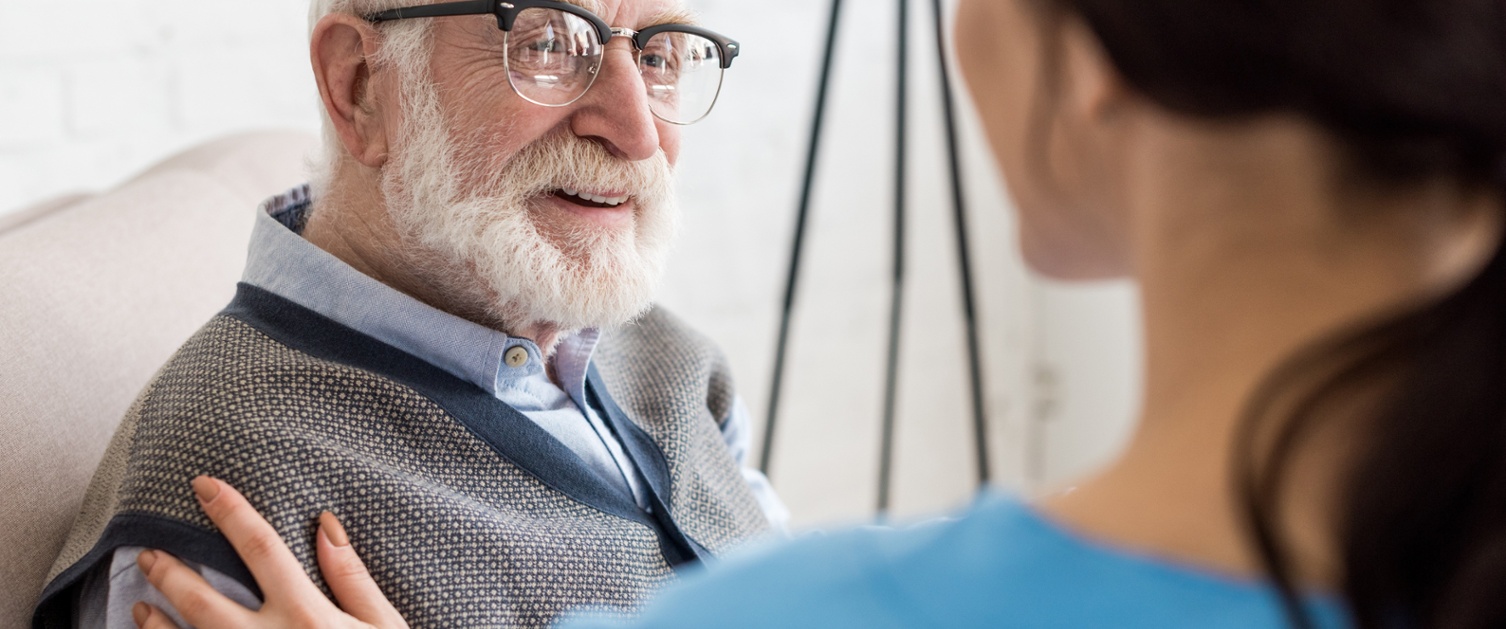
467,513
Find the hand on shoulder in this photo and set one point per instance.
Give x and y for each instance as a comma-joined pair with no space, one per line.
291,599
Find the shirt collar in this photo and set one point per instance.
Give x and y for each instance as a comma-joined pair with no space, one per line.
283,263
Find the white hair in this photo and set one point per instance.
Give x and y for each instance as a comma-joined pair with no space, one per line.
468,217
471,226
404,44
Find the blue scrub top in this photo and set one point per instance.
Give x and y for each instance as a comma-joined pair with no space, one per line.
999,565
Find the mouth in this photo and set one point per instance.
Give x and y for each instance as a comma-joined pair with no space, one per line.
600,209
593,200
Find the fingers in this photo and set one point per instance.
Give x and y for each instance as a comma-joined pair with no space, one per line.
258,544
148,617
194,599
348,578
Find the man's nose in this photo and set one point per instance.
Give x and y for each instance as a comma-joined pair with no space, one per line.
615,112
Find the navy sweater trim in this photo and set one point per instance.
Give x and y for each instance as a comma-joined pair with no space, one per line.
651,462
208,548
510,433
642,448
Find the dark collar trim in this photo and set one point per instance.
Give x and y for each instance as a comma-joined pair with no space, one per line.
649,458
510,433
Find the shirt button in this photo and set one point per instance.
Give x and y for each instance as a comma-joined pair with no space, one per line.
516,357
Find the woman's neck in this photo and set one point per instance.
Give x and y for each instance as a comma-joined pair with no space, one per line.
1243,260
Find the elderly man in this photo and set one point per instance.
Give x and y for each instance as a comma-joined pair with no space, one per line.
447,340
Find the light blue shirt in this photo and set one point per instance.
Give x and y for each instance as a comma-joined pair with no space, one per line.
1001,565
283,263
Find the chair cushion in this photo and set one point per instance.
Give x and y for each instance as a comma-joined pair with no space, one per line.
95,294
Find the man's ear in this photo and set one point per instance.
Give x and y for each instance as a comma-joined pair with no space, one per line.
341,50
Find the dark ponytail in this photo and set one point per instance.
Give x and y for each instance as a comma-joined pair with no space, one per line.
1422,511
1415,90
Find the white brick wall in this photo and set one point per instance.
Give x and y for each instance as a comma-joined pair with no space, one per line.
93,91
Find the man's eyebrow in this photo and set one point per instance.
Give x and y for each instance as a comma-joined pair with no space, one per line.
676,15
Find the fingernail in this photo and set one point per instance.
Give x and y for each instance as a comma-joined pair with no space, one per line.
140,612
206,489
146,560
333,529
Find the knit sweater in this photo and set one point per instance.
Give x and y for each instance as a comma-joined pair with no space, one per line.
466,513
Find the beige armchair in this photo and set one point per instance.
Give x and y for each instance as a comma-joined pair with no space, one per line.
96,291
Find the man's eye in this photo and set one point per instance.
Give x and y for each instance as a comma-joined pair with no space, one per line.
546,45
654,61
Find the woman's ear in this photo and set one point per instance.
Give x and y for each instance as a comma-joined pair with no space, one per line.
1091,88
341,50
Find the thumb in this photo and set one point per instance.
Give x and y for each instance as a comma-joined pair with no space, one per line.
354,589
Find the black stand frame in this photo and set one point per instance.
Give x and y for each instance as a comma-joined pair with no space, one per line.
969,303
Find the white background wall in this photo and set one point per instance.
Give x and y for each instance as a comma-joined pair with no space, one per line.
93,91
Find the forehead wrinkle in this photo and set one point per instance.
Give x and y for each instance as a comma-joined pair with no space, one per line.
676,14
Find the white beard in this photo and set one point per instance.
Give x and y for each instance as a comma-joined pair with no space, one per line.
470,224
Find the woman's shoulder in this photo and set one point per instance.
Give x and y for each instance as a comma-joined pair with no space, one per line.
998,564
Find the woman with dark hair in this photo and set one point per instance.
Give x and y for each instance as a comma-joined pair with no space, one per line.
1310,196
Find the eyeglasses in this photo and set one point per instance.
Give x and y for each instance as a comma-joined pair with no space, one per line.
553,51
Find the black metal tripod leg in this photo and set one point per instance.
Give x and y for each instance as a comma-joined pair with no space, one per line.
896,312
964,256
801,221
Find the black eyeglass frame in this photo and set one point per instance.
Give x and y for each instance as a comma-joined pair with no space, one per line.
507,13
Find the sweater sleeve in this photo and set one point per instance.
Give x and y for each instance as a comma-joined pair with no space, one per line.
737,432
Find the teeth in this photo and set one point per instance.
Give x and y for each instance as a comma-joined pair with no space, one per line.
612,201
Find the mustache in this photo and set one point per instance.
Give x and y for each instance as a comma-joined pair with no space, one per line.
556,161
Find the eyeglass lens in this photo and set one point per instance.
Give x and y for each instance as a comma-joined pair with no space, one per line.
553,57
